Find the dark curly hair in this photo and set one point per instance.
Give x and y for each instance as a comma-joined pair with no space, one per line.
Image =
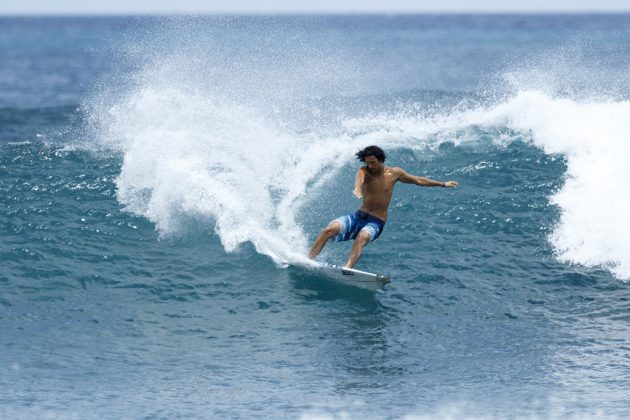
375,151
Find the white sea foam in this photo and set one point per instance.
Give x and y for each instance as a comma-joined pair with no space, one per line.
595,199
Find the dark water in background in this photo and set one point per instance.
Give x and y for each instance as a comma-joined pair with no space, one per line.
153,171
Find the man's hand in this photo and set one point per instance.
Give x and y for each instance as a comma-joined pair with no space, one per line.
451,184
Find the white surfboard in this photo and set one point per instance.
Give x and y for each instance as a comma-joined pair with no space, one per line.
347,276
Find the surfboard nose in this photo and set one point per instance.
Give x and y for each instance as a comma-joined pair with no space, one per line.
384,279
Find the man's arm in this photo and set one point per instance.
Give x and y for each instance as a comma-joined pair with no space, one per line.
422,181
358,182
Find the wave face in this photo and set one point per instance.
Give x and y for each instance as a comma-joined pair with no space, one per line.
157,173
595,197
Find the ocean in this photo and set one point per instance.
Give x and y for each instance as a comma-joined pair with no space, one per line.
157,173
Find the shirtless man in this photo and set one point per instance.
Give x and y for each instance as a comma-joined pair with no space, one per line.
374,183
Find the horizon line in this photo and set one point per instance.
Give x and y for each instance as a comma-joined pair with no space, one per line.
307,13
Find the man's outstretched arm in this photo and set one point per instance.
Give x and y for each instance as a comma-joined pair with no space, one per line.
422,181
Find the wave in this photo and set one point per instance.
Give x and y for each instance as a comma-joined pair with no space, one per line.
203,150
595,199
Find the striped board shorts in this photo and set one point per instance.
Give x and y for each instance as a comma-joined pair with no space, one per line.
353,223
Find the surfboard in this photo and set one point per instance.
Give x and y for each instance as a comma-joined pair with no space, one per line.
347,276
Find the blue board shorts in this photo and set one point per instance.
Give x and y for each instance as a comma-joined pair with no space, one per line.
352,224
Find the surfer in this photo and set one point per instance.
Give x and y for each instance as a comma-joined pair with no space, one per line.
374,184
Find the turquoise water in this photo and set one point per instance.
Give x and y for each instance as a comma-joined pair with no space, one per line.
155,172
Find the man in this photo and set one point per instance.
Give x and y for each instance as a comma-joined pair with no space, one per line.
374,183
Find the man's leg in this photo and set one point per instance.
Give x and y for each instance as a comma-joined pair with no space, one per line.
329,231
362,240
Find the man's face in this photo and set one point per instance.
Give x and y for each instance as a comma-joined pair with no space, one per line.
372,164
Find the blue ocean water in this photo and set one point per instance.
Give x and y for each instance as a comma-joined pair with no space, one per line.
156,172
